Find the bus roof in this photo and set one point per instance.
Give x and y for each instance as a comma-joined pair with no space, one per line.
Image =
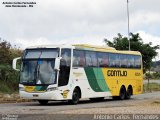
93,47
51,46
87,47
104,49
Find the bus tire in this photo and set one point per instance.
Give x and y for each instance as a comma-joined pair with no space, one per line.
129,92
75,97
43,102
122,93
97,99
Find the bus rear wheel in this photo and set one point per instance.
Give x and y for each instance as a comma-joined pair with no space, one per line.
128,93
75,97
43,102
122,93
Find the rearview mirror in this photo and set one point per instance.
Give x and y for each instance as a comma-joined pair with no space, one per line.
14,63
57,63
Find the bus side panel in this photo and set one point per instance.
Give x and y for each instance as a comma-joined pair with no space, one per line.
101,82
87,81
115,78
111,82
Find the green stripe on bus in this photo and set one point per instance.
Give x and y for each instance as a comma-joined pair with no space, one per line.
92,79
100,79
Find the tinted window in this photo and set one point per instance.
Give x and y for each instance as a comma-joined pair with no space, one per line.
102,59
123,61
64,67
41,53
114,60
78,58
137,60
66,57
130,61
91,59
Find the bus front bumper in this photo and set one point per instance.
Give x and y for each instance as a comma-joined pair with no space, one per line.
51,95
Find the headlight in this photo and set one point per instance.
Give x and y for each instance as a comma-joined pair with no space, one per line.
21,88
52,88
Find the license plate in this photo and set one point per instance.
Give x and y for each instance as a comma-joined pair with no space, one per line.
35,95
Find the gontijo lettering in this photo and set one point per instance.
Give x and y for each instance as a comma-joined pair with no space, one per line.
116,73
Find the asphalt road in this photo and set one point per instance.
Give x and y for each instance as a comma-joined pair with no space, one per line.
55,106
32,110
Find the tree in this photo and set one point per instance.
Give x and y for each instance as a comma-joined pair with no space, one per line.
147,50
4,52
8,76
7,53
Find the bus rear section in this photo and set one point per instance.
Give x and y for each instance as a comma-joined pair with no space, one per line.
108,72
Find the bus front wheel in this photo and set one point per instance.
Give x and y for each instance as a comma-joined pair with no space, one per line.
43,102
75,97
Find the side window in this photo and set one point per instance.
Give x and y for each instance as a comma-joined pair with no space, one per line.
64,67
114,60
66,57
102,59
123,61
130,61
117,60
137,60
78,58
91,59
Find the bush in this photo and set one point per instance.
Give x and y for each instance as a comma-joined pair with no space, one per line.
8,77
5,88
148,76
156,75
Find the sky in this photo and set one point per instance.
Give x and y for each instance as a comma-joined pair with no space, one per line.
78,21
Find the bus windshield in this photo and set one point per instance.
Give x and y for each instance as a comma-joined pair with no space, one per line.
38,69
38,72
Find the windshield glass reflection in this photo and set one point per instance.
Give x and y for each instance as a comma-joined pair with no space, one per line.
38,72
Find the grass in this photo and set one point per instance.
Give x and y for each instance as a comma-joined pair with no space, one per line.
151,87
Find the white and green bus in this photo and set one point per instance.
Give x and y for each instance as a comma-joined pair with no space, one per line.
73,72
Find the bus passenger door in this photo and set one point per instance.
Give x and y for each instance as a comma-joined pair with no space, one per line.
65,64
